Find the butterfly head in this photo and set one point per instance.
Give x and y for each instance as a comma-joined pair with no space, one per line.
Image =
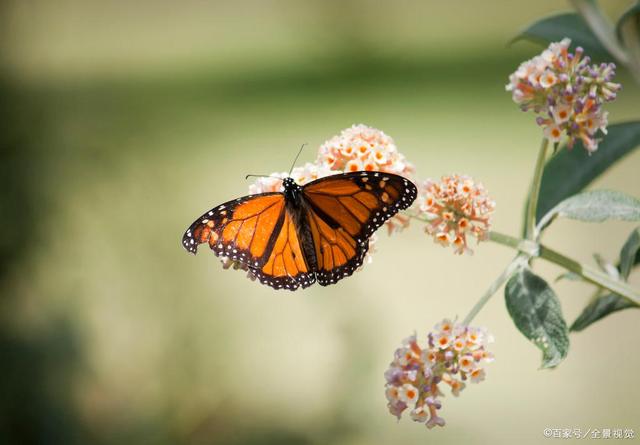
289,183
291,188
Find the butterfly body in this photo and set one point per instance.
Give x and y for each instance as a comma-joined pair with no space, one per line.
316,232
297,207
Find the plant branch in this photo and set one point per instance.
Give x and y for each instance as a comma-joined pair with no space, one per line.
528,247
532,249
592,275
502,278
534,193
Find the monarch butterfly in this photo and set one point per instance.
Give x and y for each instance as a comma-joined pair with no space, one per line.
316,232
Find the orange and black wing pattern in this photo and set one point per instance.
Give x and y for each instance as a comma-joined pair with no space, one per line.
287,267
258,232
344,210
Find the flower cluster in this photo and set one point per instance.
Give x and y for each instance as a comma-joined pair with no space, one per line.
363,148
456,207
566,92
454,354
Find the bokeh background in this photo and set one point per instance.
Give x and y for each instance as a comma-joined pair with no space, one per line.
123,121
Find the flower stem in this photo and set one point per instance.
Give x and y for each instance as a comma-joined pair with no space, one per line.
504,276
600,279
530,216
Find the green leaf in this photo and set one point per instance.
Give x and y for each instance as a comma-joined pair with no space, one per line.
631,17
536,312
596,206
557,27
570,171
599,308
604,305
637,260
629,253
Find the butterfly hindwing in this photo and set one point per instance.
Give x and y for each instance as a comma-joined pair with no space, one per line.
344,212
338,254
287,266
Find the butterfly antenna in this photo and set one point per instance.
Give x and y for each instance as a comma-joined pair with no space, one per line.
296,159
257,176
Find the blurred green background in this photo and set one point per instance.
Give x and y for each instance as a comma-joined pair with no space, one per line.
123,121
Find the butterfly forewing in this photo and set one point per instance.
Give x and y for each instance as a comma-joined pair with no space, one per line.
243,230
258,232
344,212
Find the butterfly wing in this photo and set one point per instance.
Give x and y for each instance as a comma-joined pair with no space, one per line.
287,267
258,232
242,229
343,212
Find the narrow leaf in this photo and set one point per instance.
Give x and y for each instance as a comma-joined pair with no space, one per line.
599,308
557,27
629,253
536,312
570,171
630,18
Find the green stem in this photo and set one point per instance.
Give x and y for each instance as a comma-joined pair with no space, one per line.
530,217
594,276
504,276
527,247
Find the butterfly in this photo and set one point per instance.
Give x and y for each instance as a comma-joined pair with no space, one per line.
316,232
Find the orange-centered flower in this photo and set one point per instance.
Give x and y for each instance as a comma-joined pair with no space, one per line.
456,207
